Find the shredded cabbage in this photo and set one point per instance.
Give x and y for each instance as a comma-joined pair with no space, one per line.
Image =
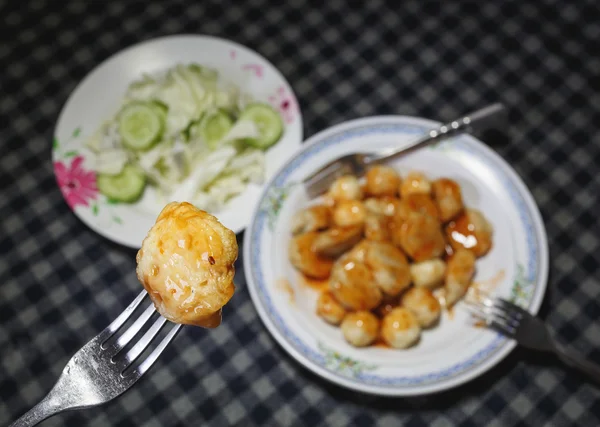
183,167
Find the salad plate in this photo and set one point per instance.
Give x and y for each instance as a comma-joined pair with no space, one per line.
168,119
456,350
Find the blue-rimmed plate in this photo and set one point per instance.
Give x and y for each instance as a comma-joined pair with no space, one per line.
456,350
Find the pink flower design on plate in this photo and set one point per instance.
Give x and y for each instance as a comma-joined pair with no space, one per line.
285,103
257,69
77,184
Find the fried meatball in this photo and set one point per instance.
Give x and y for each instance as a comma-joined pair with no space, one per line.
471,231
415,182
420,236
314,218
304,257
349,213
329,309
428,274
400,328
360,328
422,303
448,198
186,265
382,181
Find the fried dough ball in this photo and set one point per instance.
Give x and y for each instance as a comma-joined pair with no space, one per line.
415,183
348,213
329,309
428,274
400,328
353,285
389,266
186,265
306,259
337,240
377,227
448,198
459,273
382,205
471,231
422,303
382,181
314,218
417,202
360,328
345,188
420,236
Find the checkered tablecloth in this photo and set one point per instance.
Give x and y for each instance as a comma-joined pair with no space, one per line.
60,283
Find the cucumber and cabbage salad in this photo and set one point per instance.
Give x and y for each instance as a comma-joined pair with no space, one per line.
186,133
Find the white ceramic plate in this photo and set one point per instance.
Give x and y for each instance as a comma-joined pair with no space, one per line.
98,97
454,351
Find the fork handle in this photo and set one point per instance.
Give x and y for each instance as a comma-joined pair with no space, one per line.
48,406
479,119
576,361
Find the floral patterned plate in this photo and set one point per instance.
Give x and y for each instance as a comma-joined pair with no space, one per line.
98,97
453,352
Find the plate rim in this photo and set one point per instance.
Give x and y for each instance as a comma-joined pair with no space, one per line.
61,117
499,354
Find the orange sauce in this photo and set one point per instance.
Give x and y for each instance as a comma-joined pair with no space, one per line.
483,288
286,287
480,324
380,343
315,284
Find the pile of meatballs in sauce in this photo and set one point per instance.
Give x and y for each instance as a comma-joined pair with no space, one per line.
394,251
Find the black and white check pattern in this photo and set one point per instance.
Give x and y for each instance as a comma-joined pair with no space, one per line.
60,283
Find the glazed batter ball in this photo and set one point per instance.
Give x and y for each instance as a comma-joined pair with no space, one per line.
382,181
305,259
186,265
415,183
353,285
400,328
360,328
329,309
423,305
428,274
448,198
472,231
345,188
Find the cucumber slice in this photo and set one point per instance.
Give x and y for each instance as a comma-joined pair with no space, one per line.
267,120
126,187
140,125
214,126
161,108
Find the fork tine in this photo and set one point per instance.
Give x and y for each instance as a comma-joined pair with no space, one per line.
149,361
320,180
489,312
502,328
131,331
122,318
509,306
144,342
494,317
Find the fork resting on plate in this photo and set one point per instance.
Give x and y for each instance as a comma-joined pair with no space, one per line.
356,164
529,331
